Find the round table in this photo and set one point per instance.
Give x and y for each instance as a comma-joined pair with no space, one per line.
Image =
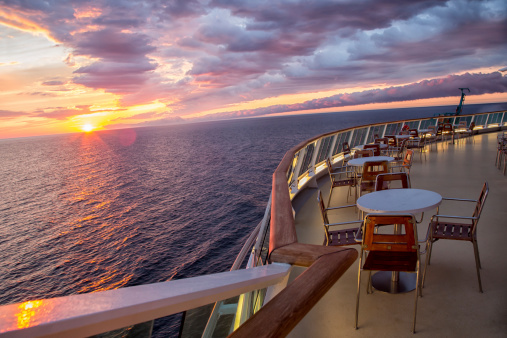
397,201
359,162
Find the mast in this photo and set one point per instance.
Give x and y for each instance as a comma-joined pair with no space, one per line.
460,105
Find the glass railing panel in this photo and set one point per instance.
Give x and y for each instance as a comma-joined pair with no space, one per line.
393,128
480,120
426,123
307,160
340,138
375,131
142,330
358,137
324,149
196,323
494,118
412,124
504,121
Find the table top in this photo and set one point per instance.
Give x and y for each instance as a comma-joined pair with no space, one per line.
402,136
361,146
399,201
358,162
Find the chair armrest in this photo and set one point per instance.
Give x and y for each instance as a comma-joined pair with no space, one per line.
459,199
459,217
341,207
343,223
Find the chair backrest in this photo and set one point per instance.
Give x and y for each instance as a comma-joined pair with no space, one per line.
323,215
374,147
322,207
447,128
383,140
404,241
373,168
392,140
329,168
432,129
413,132
345,148
407,161
401,177
363,153
462,125
480,205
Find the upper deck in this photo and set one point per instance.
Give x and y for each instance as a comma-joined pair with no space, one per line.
451,304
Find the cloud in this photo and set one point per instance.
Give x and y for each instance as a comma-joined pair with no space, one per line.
442,87
53,83
11,114
157,122
198,55
61,113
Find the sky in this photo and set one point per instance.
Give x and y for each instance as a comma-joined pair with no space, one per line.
74,65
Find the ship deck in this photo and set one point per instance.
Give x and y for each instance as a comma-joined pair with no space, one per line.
451,304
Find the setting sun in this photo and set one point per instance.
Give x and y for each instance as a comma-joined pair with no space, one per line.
87,127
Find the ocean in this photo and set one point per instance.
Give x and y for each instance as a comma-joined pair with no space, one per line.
95,211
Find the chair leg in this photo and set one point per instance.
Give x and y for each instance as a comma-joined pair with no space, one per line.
416,296
427,260
477,264
330,193
358,291
369,287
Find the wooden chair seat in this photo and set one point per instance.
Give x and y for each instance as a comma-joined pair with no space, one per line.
449,230
391,261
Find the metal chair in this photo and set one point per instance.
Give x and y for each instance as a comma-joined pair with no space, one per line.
384,181
389,252
340,177
346,152
374,147
340,237
369,175
441,228
363,153
406,164
417,143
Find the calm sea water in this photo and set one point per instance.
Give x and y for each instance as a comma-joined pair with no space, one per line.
89,212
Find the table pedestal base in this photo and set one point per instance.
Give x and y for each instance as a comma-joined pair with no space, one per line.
401,282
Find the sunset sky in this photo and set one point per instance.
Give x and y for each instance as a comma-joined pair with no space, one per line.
66,66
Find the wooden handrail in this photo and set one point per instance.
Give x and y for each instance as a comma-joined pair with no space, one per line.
280,315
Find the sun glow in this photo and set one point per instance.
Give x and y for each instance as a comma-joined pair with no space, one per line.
87,128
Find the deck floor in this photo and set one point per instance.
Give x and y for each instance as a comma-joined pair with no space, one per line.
452,305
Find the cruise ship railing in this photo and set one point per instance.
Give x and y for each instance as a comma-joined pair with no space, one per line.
93,313
309,160
242,307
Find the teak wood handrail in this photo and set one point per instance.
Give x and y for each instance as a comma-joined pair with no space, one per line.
325,265
280,315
